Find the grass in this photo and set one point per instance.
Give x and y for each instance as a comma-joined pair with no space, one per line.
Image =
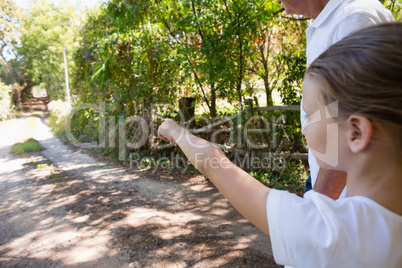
40,166
57,128
30,145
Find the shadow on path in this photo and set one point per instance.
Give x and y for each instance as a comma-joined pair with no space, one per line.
84,213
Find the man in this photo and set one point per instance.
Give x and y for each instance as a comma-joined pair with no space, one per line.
332,21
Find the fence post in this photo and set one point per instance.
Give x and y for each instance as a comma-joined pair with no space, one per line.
263,123
249,107
187,107
248,103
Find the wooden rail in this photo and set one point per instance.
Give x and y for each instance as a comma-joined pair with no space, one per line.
250,111
278,108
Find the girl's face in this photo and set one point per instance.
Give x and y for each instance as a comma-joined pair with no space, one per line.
321,126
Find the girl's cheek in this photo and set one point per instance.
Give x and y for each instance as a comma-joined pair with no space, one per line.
304,128
307,140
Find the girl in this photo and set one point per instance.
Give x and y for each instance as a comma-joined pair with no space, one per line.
352,94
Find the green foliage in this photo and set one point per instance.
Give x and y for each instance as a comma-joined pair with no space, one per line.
46,32
396,8
9,33
226,46
128,55
85,123
291,83
279,39
30,145
5,101
143,52
56,125
43,166
292,177
57,113
126,61
133,54
287,132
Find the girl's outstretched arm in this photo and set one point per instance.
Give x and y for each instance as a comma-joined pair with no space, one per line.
245,193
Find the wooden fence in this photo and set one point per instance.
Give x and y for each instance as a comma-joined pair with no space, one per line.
251,110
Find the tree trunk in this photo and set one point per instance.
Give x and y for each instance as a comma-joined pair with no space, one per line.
213,101
268,92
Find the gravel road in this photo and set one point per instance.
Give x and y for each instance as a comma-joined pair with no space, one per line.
78,211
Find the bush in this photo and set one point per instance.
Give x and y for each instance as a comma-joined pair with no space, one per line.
57,112
292,177
5,101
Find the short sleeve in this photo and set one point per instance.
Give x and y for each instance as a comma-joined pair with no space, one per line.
302,230
316,231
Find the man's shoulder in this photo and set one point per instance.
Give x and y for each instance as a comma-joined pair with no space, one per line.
363,7
341,18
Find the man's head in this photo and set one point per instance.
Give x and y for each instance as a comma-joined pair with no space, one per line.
308,8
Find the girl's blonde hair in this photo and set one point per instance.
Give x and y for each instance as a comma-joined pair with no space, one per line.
363,72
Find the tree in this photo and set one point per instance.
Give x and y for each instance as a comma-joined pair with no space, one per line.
395,6
46,32
228,44
194,32
152,50
277,39
126,62
9,29
5,101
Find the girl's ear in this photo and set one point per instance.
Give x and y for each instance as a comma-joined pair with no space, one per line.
360,131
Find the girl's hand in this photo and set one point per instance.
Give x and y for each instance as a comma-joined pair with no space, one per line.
169,130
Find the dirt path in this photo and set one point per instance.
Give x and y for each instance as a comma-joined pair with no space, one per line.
63,208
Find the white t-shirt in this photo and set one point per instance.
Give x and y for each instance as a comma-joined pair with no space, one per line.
339,19
316,231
